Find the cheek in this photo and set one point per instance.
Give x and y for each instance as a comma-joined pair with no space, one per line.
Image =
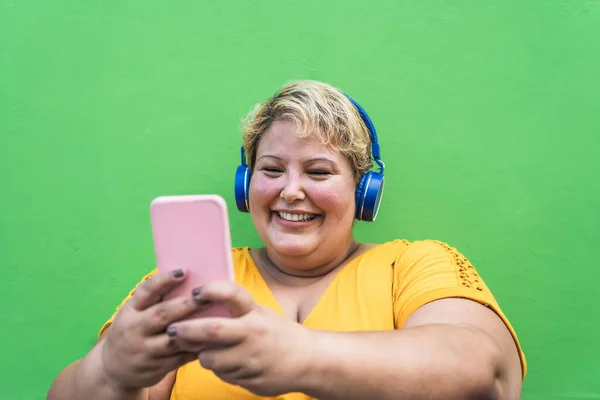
334,199
263,190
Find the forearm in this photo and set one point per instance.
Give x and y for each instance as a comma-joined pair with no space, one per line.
84,380
433,362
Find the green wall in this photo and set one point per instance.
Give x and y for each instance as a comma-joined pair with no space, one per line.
488,114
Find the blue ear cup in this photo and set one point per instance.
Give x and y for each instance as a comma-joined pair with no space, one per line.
241,185
370,187
368,196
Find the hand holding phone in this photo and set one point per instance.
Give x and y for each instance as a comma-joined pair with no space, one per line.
192,233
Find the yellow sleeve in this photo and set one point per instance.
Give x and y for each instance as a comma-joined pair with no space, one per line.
110,320
430,270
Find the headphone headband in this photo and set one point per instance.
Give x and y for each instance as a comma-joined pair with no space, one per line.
243,154
372,132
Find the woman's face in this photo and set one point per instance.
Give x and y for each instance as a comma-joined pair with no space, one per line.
301,195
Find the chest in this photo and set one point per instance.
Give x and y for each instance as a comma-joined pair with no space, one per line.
297,303
346,302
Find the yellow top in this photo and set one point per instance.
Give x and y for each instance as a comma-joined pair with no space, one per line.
377,290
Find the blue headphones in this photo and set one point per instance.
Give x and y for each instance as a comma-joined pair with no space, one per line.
368,191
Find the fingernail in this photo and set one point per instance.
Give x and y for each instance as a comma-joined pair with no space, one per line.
197,291
171,331
178,273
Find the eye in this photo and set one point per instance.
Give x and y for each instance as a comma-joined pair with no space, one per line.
271,170
318,172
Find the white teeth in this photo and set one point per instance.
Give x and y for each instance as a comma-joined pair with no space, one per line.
296,217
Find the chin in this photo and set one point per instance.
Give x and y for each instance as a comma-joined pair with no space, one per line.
293,246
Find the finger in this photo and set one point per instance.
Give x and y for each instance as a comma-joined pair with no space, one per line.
192,347
163,349
209,331
227,364
157,317
234,298
177,360
152,289
161,346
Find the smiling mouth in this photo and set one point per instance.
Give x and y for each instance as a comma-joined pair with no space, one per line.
296,217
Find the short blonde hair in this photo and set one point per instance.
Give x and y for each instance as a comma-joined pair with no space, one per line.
318,110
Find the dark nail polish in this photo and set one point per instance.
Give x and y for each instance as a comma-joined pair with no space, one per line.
171,331
196,291
178,273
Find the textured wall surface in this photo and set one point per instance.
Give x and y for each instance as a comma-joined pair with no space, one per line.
488,115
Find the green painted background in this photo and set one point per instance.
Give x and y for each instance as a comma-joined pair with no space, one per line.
488,114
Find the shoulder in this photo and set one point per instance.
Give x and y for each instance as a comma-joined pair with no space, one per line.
429,256
423,247
243,265
240,254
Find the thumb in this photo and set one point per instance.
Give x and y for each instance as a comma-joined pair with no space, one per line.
236,299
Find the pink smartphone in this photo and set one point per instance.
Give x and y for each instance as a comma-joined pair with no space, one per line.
192,232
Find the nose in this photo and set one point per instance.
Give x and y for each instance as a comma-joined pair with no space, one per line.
293,189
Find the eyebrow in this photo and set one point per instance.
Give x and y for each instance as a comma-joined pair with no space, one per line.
269,156
309,160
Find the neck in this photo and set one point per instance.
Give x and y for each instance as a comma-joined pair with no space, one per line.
300,271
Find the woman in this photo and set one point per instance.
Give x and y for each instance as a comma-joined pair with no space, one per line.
315,314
